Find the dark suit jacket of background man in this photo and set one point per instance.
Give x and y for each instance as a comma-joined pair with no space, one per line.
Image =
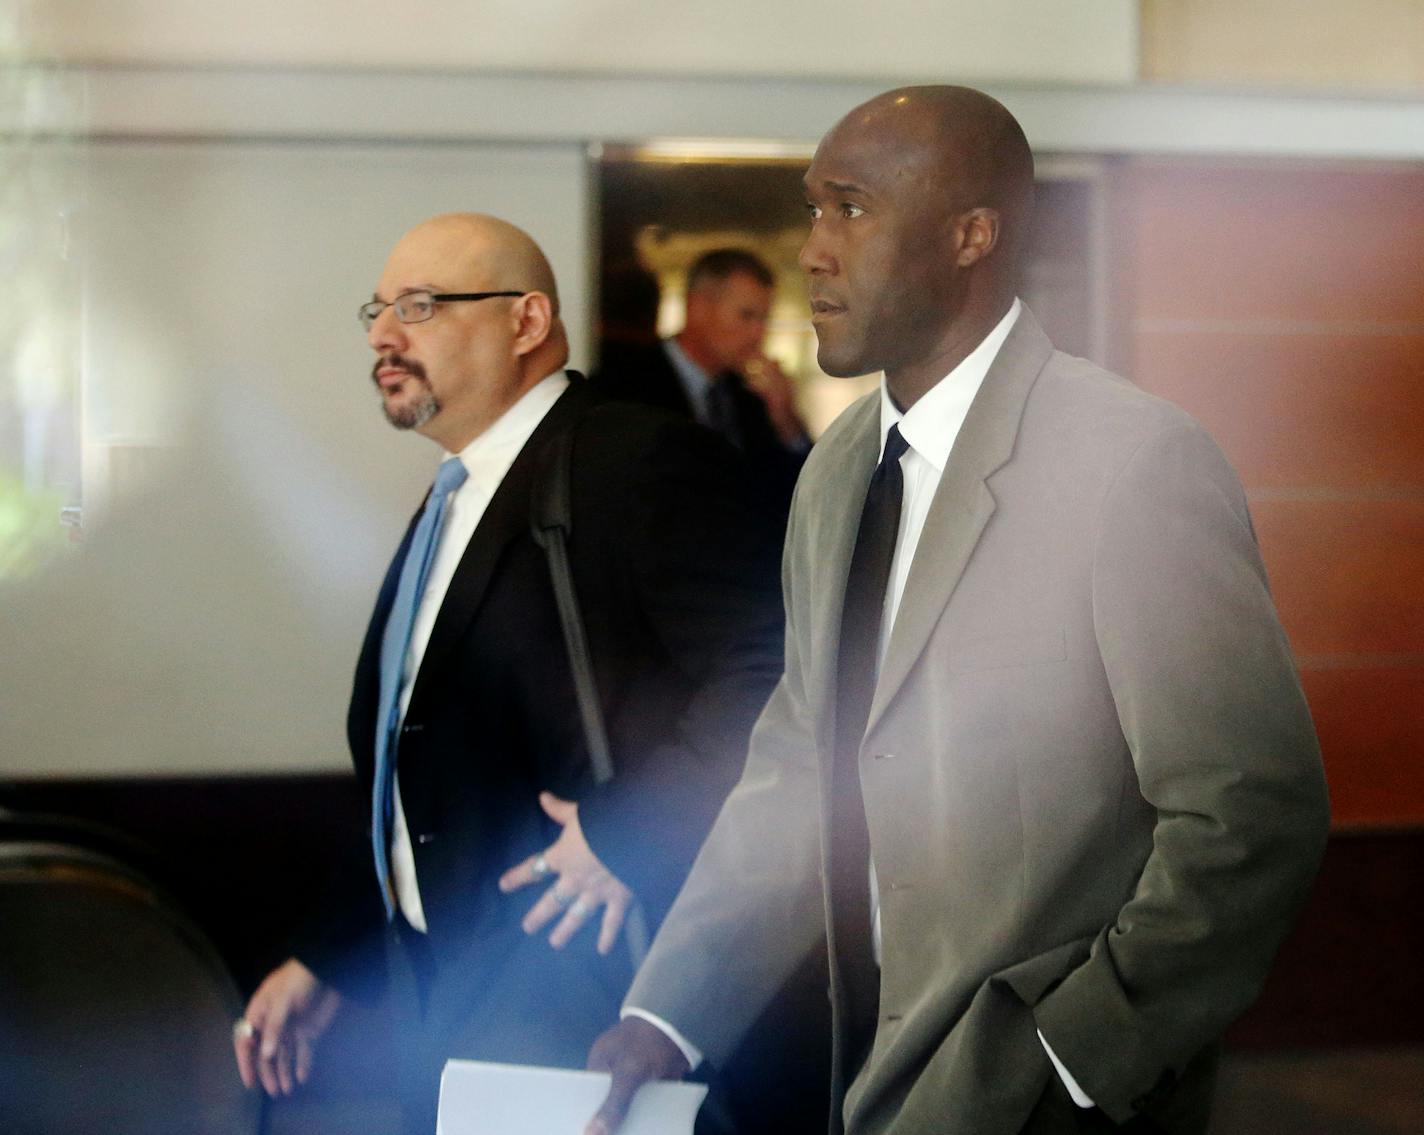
677,579
776,1078
1093,790
644,373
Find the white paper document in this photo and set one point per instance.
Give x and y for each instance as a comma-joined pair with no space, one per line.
513,1099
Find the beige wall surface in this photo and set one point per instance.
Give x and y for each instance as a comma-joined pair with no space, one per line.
1043,40
243,493
1375,45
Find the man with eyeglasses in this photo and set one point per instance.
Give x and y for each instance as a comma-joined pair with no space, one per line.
464,724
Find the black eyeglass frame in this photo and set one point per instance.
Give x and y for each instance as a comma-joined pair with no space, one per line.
443,297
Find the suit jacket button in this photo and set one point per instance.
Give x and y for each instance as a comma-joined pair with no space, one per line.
425,837
411,728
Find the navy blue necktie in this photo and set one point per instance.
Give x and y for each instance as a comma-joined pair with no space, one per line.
856,667
394,645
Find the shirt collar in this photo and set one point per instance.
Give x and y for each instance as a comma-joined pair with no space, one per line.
490,455
694,379
931,424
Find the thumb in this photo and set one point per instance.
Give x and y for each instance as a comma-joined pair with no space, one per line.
610,1116
559,810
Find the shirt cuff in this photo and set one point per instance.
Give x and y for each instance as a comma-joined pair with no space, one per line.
1080,1097
691,1054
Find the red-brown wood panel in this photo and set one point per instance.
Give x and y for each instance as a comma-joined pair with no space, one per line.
1346,574
1316,411
1278,242
1283,306
1371,726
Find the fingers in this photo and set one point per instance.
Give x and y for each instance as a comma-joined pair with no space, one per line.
554,901
286,1080
559,810
304,1059
634,1052
610,1115
276,1038
244,1044
532,870
572,922
613,915
270,1053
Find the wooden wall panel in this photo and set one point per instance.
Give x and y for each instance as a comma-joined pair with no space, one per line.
1371,726
1320,411
1283,306
1285,242
1346,574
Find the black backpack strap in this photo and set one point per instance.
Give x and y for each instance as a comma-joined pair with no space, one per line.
552,522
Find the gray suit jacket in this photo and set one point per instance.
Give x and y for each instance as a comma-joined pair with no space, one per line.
1094,794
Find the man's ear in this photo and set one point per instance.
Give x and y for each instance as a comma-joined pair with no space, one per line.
533,313
978,232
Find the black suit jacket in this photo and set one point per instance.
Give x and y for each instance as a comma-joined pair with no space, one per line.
645,374
677,578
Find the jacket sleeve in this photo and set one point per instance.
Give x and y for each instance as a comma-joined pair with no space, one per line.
343,939
1210,705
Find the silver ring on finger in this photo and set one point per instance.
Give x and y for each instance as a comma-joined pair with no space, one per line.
562,901
540,867
578,908
243,1029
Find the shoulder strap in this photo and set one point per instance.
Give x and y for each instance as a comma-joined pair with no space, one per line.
552,521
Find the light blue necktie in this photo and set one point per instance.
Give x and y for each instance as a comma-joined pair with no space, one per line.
414,573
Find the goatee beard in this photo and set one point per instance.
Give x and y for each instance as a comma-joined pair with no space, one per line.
420,407
415,413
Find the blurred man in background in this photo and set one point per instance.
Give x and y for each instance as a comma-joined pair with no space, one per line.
715,371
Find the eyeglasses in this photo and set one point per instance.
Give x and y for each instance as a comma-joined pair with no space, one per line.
417,307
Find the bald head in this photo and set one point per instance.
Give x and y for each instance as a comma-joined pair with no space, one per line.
453,371
503,257
920,202
961,142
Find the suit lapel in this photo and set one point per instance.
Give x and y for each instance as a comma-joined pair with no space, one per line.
505,518
963,503
832,522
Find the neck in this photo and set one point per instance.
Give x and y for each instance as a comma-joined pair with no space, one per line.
696,349
911,382
453,434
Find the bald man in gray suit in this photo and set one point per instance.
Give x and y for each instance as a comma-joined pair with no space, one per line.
1052,792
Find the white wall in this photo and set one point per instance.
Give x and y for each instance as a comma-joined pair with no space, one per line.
1039,40
211,621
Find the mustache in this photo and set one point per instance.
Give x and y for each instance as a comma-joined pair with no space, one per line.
400,362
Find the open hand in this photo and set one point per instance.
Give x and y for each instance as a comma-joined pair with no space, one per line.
275,1040
581,883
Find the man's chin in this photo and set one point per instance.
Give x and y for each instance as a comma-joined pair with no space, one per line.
838,364
411,414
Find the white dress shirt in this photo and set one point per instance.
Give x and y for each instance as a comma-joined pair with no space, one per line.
930,427
696,382
486,459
